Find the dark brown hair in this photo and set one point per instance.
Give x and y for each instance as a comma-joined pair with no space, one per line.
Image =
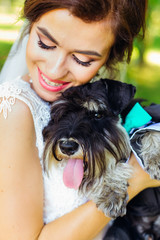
127,19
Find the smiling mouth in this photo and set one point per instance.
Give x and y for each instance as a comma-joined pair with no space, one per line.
50,82
53,85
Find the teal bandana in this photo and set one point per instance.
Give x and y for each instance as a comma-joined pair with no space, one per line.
136,118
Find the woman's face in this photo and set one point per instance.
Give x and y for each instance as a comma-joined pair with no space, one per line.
64,51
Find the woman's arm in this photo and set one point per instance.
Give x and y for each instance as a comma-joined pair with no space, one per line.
85,222
21,185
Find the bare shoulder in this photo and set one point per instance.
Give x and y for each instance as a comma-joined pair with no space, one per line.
17,134
17,129
19,123
14,111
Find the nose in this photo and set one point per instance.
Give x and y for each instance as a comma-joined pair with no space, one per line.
58,67
68,147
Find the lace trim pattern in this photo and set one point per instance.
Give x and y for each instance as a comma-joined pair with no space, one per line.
8,98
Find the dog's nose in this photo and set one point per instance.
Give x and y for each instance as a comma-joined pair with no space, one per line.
68,147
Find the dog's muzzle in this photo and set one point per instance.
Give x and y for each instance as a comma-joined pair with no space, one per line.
70,150
68,147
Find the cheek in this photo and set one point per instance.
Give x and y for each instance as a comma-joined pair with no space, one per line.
33,52
30,53
85,74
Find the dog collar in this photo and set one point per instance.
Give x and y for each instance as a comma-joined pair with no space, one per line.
136,118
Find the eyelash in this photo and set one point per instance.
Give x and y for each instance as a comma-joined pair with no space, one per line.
44,46
85,64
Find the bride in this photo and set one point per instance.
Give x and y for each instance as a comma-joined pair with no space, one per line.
69,43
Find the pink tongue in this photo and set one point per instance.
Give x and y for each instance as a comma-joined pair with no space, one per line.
73,173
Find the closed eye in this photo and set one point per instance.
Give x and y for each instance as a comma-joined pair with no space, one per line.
85,64
44,46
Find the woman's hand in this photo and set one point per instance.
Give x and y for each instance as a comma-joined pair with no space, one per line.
140,180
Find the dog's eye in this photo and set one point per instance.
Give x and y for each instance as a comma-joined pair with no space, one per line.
98,116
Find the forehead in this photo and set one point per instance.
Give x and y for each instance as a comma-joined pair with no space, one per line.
75,33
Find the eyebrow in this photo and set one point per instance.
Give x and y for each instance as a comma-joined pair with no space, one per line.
48,35
88,53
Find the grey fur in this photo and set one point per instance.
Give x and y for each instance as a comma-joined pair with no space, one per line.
110,191
150,153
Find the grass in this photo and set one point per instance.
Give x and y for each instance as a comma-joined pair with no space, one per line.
5,45
146,78
9,27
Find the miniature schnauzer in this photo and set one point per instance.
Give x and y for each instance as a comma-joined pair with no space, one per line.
85,131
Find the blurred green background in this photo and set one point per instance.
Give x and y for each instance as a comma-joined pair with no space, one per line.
144,69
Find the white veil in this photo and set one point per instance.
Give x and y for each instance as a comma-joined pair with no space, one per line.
15,65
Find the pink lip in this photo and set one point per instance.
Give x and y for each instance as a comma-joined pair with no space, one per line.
51,88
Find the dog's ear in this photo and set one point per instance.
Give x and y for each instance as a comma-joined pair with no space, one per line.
119,94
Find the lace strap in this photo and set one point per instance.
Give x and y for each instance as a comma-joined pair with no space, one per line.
8,96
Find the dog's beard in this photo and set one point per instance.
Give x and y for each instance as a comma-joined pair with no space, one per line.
99,153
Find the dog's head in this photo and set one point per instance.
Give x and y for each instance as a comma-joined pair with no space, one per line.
85,130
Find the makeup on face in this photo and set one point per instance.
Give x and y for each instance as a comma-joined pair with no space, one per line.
54,43
50,84
63,51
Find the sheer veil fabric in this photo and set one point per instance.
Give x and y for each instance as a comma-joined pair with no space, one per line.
15,65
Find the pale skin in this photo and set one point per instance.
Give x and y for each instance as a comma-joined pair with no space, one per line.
21,185
53,49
